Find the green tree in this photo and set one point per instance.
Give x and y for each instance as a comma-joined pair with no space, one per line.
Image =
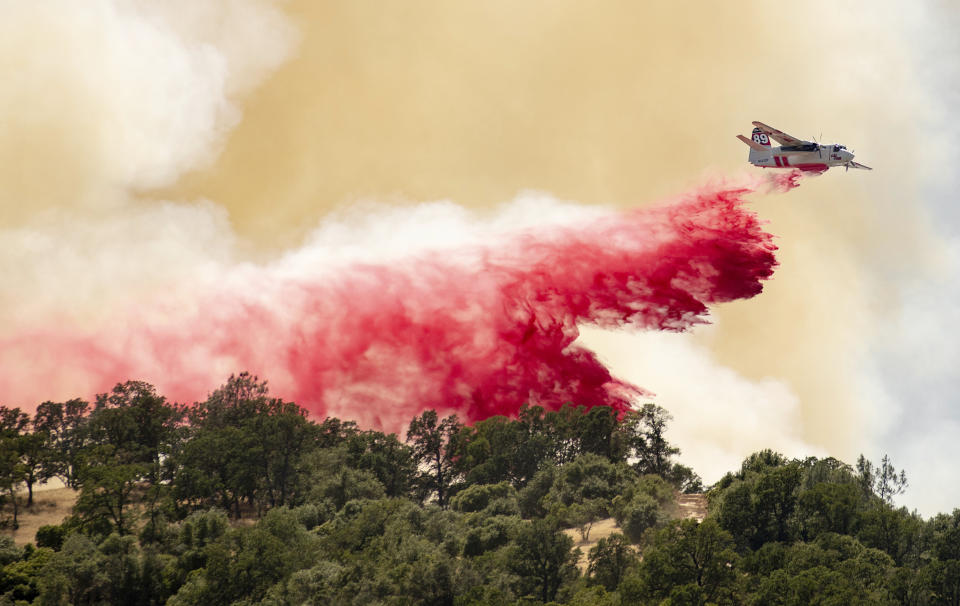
215,469
479,497
108,495
244,563
610,559
828,507
19,579
386,457
13,424
774,500
64,425
74,575
333,481
584,489
834,569
600,433
881,480
639,515
434,445
33,457
647,440
895,531
495,450
136,425
691,563
246,447
544,559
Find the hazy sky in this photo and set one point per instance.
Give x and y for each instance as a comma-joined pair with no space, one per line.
142,141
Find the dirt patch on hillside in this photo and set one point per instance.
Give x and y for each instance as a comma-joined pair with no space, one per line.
601,529
50,506
692,506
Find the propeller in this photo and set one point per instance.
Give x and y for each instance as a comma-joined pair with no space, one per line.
817,145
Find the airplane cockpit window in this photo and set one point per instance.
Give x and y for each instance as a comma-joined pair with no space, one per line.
806,147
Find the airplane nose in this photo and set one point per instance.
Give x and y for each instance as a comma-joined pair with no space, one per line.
847,155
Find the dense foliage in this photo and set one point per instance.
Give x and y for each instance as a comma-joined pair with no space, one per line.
242,499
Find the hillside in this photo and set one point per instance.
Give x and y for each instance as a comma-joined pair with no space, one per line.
50,506
689,506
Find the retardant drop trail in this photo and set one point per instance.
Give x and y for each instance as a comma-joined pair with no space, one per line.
479,330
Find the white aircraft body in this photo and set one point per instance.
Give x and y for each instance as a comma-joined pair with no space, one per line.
808,156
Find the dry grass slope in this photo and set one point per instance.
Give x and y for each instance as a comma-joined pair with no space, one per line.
688,506
50,506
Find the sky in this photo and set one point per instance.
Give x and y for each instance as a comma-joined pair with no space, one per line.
150,151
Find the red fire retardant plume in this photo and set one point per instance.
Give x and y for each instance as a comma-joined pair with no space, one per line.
479,331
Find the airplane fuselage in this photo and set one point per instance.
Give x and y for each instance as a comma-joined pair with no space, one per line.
807,157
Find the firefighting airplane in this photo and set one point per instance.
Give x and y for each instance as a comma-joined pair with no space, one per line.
795,153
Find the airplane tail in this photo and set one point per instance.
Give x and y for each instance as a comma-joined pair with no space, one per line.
759,146
761,138
754,145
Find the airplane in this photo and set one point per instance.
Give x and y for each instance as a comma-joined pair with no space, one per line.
808,156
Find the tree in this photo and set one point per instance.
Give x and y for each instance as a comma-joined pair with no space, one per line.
107,496
478,497
386,457
610,559
434,444
828,507
544,559
334,481
243,563
736,515
889,483
774,499
282,435
75,574
13,424
638,515
647,429
215,469
63,424
599,433
696,560
138,425
882,481
495,450
33,456
245,446
759,502
834,569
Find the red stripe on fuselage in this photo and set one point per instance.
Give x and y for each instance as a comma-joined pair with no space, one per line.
777,160
807,168
812,168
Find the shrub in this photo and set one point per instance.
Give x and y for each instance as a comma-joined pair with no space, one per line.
51,536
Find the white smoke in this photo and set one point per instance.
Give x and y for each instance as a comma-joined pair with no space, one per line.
102,97
720,417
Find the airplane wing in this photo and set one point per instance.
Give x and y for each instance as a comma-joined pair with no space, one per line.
753,144
858,165
778,135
